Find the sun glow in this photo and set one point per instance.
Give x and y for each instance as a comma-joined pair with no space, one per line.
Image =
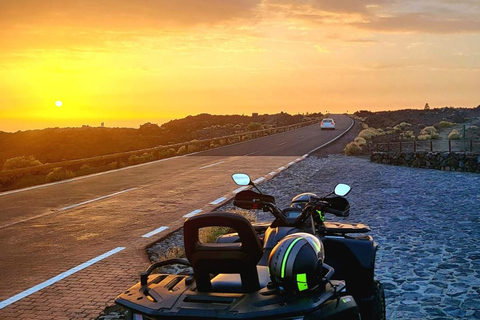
58,103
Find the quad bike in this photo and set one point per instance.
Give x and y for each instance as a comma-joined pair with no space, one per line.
278,271
348,249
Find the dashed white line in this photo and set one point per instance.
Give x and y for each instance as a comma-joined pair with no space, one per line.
154,232
252,153
259,180
273,173
57,278
191,214
96,199
281,144
64,208
219,200
240,189
211,165
281,169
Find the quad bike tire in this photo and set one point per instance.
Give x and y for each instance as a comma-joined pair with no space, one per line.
375,309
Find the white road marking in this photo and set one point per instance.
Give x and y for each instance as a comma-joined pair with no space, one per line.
191,214
251,153
219,200
281,169
211,165
154,232
240,189
259,180
273,173
91,175
281,144
290,163
57,278
63,209
96,199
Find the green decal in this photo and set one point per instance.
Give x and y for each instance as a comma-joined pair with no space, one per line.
321,215
302,281
284,262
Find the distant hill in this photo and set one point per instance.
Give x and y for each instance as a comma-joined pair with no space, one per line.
59,144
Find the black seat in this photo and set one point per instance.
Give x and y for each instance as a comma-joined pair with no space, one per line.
210,259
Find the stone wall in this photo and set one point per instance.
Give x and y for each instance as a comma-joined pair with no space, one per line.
448,161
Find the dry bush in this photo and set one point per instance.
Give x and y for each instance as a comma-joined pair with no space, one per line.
367,134
85,167
254,126
360,141
20,162
454,135
407,135
429,133
146,157
59,174
402,126
167,153
364,125
353,149
112,165
424,137
445,124
182,150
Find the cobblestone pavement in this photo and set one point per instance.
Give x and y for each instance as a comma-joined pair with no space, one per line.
427,223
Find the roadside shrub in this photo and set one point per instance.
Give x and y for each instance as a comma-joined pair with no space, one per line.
407,135
146,157
167,153
445,124
454,135
254,126
182,150
424,137
85,167
367,134
58,174
360,141
364,125
429,133
20,162
402,126
113,165
353,149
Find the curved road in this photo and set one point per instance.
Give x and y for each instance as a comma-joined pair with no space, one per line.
51,230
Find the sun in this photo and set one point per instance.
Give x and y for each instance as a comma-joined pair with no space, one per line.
58,103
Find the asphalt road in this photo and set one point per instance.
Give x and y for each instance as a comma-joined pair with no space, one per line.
48,229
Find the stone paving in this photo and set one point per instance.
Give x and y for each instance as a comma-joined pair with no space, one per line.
427,223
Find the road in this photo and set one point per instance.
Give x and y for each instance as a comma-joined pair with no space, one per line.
46,231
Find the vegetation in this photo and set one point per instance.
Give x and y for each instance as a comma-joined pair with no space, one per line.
58,174
20,162
454,135
353,149
445,124
428,133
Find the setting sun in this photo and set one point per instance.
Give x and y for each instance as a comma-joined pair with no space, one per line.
58,103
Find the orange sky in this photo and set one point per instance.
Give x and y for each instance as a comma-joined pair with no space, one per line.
127,62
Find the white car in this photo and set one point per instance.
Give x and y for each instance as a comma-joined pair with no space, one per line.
327,123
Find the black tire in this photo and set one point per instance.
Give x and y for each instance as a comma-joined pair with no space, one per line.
378,305
375,308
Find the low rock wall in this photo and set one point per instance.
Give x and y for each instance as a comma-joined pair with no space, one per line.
448,161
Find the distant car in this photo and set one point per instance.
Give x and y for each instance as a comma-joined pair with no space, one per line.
327,123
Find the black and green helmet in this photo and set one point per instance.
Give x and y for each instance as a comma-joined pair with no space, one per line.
295,263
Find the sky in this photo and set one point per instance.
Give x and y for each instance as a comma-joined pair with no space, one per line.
128,62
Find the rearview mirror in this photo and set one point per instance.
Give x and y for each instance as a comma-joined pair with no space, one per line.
241,179
342,189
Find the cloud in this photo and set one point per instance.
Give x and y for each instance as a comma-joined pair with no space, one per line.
421,23
127,13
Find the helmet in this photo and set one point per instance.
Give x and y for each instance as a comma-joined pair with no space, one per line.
300,200
295,263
